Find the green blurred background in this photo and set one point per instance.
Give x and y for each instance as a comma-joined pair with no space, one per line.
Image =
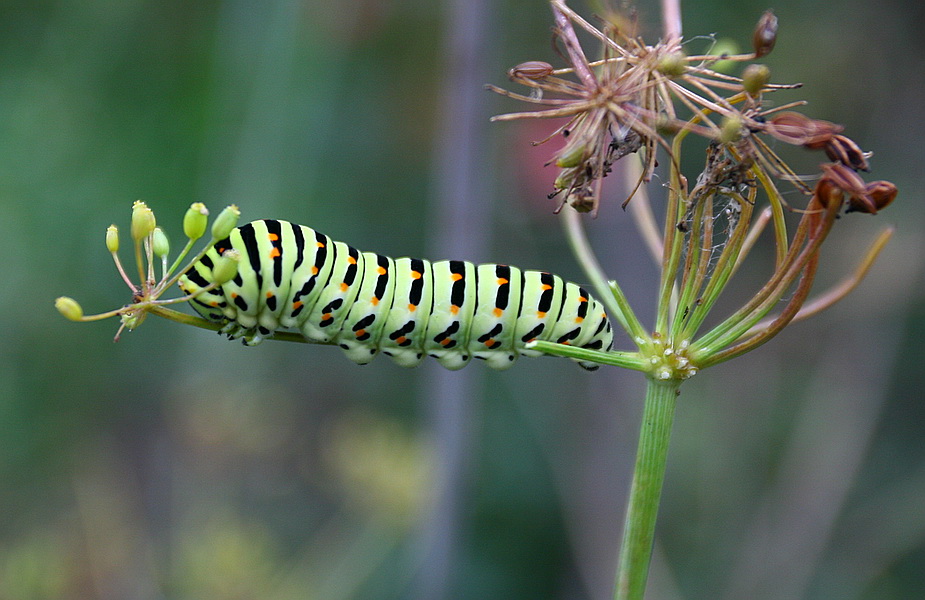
177,465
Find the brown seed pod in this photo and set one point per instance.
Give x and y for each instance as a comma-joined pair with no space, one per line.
843,150
765,34
532,69
798,129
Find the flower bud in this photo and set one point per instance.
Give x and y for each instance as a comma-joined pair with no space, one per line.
754,78
160,246
226,221
226,267
112,239
69,308
195,220
730,130
532,69
143,222
672,65
765,34
722,48
571,156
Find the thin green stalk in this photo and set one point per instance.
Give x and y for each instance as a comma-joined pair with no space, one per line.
646,490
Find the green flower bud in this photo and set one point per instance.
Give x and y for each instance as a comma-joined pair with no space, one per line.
69,308
672,65
160,246
571,157
195,220
724,47
112,239
226,267
730,130
143,222
754,78
226,221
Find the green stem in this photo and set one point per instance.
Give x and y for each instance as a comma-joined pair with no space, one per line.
646,490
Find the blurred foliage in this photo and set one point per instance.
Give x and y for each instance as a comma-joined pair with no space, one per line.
176,465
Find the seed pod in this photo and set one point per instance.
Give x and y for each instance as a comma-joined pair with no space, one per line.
161,245
571,156
881,193
143,222
532,69
765,34
843,150
798,129
225,222
69,308
112,239
195,220
730,130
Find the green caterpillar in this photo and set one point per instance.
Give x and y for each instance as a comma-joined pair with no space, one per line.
295,277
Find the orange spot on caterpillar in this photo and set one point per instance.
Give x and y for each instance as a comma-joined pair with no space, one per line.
314,270
275,253
454,309
234,294
412,307
381,271
344,287
273,237
415,274
498,312
361,333
445,341
582,299
502,281
546,287
297,304
214,304
401,340
374,301
490,342
351,260
456,276
320,244
540,314
270,294
579,319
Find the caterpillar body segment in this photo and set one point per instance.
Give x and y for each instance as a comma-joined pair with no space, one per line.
291,276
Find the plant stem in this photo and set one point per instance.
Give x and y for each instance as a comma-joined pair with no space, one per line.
646,490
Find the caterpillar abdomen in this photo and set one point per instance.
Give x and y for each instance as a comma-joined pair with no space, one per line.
291,276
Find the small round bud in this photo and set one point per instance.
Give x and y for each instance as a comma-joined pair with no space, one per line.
69,308
112,239
195,220
571,156
143,222
765,35
721,49
226,267
160,246
731,129
672,65
754,78
226,221
532,69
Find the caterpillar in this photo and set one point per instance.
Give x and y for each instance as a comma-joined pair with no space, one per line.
291,276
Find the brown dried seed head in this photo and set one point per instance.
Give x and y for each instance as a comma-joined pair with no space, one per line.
532,69
843,150
765,34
